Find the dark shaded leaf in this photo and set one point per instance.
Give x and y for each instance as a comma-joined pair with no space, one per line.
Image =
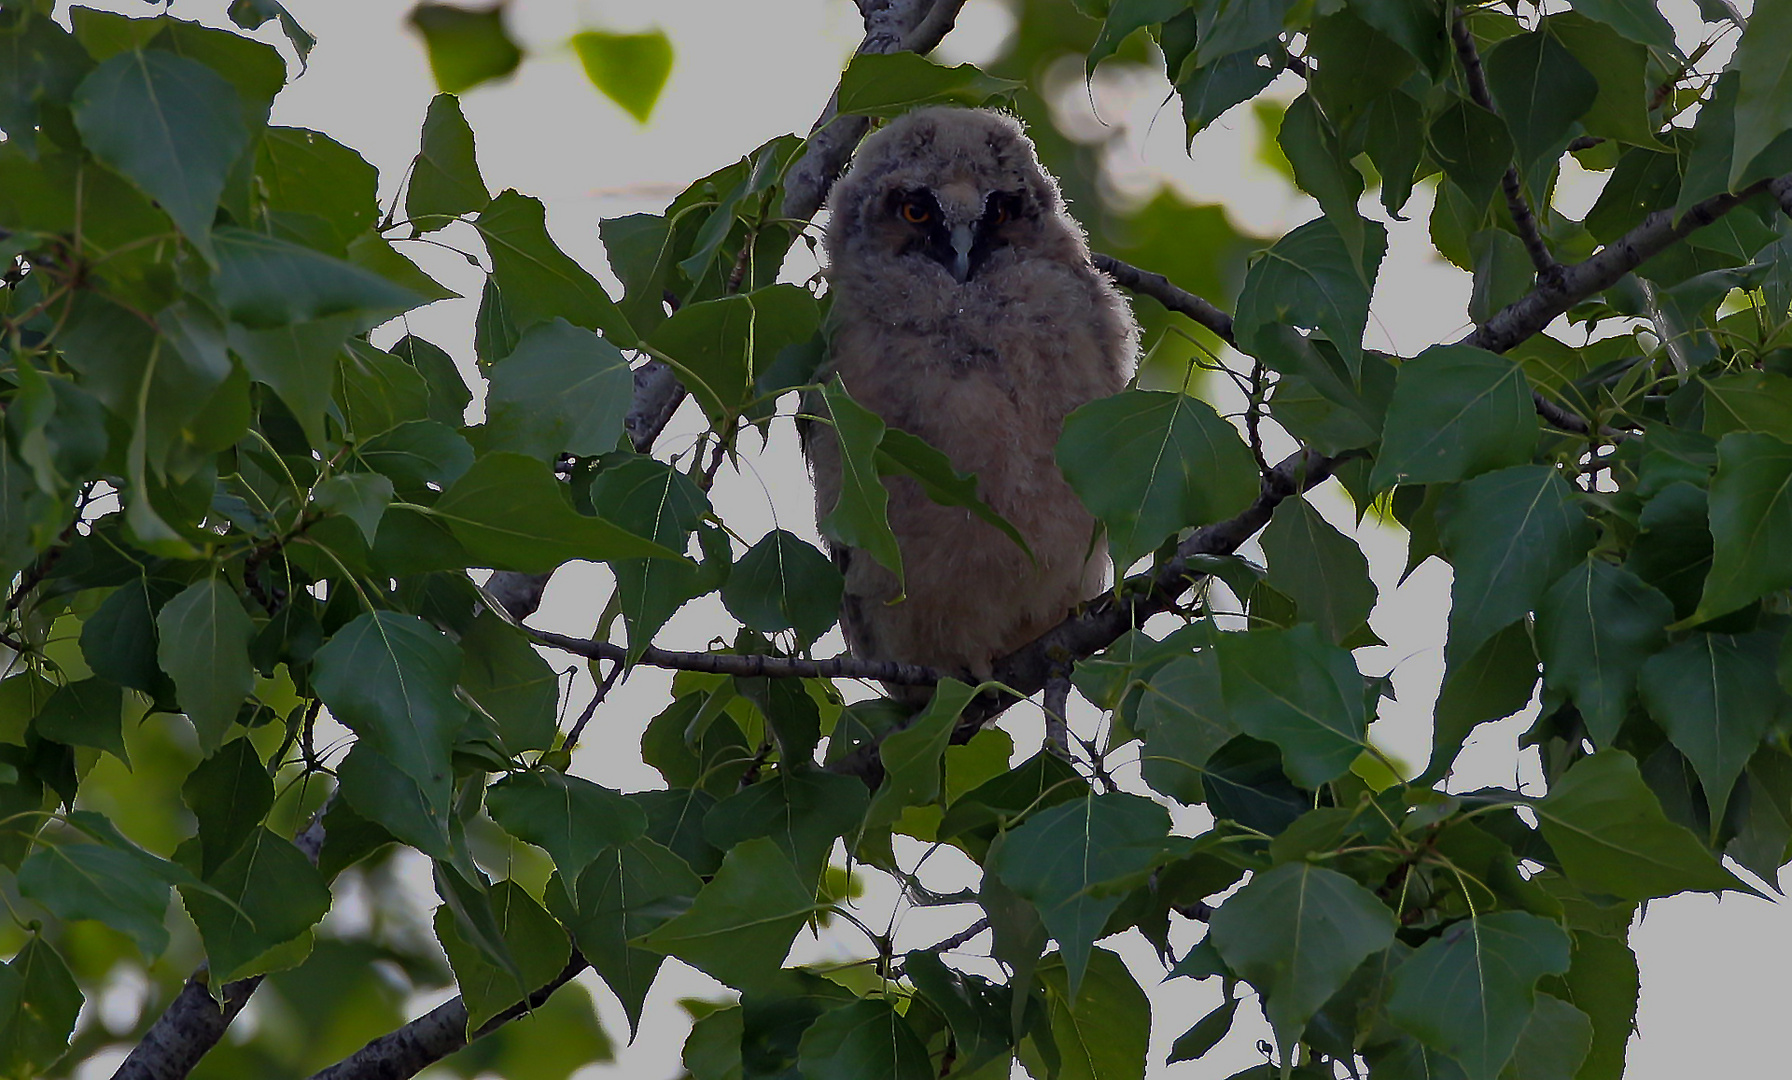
445,181
886,85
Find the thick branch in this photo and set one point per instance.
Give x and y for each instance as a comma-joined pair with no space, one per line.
890,26
434,1035
1522,219
749,665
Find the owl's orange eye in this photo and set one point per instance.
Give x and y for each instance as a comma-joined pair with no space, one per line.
1000,216
915,213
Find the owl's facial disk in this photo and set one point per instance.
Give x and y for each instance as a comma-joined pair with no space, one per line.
959,235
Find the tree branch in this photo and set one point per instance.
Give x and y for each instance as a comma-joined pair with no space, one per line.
1522,219
1167,293
748,665
436,1034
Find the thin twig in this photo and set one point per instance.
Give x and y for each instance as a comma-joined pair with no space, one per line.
597,698
1522,219
1167,293
748,665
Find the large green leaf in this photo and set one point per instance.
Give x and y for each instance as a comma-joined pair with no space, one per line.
630,69
1239,24
783,583
1642,23
860,517
1554,1042
1297,933
1602,982
563,390
530,935
264,282
1492,684
570,818
1470,991
1299,691
511,514
1321,167
39,1003
1764,96
1751,523
1457,412
265,895
1102,1029
1124,18
1208,90
445,181
911,757
304,172
39,62
171,125
111,880
1310,279
1149,463
721,346
204,646
1595,628
625,893
87,712
389,678
230,794
1320,569
1541,90
1509,534
803,811
900,453
1715,695
466,46
655,502
888,84
538,280
1621,110
1749,401
866,1038
1061,859
740,926
1183,718
1609,831
508,681
1474,148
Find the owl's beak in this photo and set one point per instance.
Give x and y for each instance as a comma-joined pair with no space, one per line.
963,239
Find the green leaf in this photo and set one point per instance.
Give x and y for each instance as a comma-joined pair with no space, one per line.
1194,1043
230,793
1541,90
530,935
1356,65
1642,23
1715,695
866,1038
721,346
39,62
445,181
1068,862
1184,721
39,1003
393,802
1749,401
1608,829
1492,684
299,171
1764,93
1596,628
1510,535
1751,523
889,84
538,280
204,646
512,514
653,501
1474,148
508,681
1621,110
1394,139
911,757
1209,90
1416,25
264,282
170,125
901,454
563,390
86,713
1297,932
417,454
1320,569
1713,144
1149,463
1644,181
1321,168
1602,983
360,497
629,69
1297,690
1240,24
625,893
1469,991
466,47
572,819
783,583
741,924
264,895
1041,781
251,14
1309,279
390,678
1102,1029
1503,272
803,811
118,884
860,517
1124,18
1553,1044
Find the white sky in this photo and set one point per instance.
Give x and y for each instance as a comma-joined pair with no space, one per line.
747,70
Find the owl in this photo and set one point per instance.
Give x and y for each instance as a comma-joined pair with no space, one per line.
965,310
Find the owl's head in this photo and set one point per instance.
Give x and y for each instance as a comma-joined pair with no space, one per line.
953,191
